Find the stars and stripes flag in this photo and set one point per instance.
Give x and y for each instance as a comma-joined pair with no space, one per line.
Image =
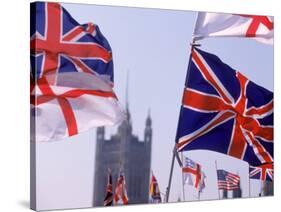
227,180
71,75
225,112
257,27
108,200
263,172
120,195
154,190
193,174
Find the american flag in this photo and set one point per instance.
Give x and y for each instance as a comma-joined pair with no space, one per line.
108,200
227,180
223,111
121,191
193,174
263,172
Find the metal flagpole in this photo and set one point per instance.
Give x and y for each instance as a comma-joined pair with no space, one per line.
261,189
193,44
217,178
249,186
170,177
183,192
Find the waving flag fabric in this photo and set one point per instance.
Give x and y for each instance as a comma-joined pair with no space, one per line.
225,112
120,195
227,180
108,200
234,25
71,75
193,174
263,172
154,190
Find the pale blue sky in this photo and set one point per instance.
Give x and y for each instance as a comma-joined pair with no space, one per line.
154,45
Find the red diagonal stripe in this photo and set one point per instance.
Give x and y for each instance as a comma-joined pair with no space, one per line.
260,110
209,77
203,101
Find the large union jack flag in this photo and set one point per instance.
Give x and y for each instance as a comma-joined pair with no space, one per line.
60,44
225,112
71,75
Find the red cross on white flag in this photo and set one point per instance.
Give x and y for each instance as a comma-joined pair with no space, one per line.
234,25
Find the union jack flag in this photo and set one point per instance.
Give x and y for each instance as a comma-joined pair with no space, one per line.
263,172
121,191
60,44
225,112
227,180
108,200
193,174
71,75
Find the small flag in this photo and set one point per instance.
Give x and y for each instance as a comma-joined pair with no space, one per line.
227,180
120,191
193,174
108,200
234,25
154,190
263,172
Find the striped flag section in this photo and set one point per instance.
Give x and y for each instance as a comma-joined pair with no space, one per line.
259,28
227,180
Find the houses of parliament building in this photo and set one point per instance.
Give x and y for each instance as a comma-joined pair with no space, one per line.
124,151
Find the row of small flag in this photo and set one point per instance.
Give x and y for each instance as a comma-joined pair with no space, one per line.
120,195
193,175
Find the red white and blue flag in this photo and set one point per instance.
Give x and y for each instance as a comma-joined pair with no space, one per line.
120,195
227,180
225,112
71,75
108,199
263,172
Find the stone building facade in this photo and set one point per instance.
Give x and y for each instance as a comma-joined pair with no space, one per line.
124,151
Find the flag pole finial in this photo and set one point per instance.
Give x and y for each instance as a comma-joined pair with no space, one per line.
193,43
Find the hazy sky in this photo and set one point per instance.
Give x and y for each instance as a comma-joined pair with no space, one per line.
154,46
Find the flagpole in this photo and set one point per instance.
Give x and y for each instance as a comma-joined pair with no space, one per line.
261,189
193,44
217,177
170,177
249,186
183,192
